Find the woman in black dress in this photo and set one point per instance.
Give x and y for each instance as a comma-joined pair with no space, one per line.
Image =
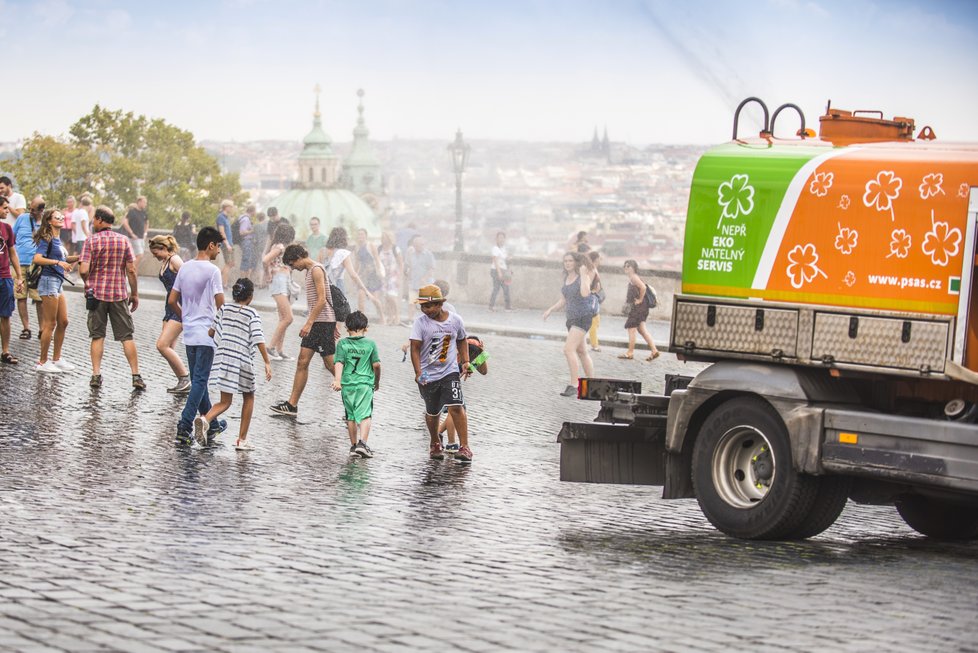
639,313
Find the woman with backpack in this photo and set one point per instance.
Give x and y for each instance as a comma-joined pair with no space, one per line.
638,304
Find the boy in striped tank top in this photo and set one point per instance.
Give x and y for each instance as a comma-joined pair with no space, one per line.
318,333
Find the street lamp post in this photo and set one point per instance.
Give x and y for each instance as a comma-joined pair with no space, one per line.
460,156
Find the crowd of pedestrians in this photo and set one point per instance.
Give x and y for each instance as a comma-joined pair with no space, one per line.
41,247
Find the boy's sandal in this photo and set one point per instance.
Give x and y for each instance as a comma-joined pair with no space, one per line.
8,359
25,334
243,445
653,356
626,356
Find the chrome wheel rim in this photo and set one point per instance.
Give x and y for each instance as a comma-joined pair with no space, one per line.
743,467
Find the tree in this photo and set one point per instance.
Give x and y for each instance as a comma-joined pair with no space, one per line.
117,157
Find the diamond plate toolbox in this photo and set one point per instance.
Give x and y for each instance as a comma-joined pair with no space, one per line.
801,334
734,327
902,343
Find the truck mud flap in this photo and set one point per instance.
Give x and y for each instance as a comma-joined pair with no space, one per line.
612,453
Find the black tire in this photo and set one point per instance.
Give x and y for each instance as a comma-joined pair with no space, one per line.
830,501
743,475
938,519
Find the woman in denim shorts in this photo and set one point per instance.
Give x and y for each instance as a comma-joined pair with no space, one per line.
281,280
54,263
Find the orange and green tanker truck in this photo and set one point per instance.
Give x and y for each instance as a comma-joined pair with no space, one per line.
830,284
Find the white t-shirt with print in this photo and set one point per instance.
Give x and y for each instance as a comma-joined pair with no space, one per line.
198,282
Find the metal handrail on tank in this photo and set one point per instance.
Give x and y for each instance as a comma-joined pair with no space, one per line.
740,106
789,105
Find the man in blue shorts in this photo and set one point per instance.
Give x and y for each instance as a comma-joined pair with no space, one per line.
440,355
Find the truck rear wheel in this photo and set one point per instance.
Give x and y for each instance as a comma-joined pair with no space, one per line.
938,519
830,501
743,475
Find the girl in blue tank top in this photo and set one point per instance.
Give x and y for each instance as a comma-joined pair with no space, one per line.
164,248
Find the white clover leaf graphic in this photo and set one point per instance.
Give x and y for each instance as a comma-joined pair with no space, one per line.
941,242
850,278
803,265
900,243
881,192
821,183
931,185
846,240
736,197
844,202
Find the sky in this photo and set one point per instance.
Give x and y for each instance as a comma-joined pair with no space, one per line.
651,71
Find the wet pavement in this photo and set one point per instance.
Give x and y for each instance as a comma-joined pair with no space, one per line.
113,538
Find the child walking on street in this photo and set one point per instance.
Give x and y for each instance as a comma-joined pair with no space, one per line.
236,332
440,356
357,377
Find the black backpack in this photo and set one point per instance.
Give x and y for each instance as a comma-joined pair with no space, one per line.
236,231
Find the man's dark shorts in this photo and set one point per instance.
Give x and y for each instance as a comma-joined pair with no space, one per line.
321,339
115,312
446,391
6,297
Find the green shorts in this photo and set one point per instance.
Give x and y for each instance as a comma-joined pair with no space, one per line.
358,401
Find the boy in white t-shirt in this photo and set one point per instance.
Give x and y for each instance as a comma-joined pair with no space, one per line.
197,294
440,355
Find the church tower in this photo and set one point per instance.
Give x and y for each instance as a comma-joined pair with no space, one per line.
318,164
361,169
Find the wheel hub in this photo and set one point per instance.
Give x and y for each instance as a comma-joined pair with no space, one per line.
743,467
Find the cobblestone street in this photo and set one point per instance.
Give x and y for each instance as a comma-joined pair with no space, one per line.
114,538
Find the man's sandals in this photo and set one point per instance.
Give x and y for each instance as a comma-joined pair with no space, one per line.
25,334
8,359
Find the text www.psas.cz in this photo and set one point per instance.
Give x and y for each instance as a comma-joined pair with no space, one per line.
904,282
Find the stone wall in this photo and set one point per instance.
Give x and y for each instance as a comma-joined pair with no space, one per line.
536,282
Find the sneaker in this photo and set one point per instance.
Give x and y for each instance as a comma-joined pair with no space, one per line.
353,450
137,382
95,381
243,445
273,355
285,408
199,430
569,391
363,450
451,449
182,386
48,367
464,455
184,437
282,356
435,452
63,365
216,428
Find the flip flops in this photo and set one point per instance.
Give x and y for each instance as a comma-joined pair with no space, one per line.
653,356
25,334
8,359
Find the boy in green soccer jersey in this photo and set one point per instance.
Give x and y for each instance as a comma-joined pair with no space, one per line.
357,376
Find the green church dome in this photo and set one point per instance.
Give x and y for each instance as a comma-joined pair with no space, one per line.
334,208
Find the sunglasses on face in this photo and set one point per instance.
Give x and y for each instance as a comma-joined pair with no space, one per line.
428,304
